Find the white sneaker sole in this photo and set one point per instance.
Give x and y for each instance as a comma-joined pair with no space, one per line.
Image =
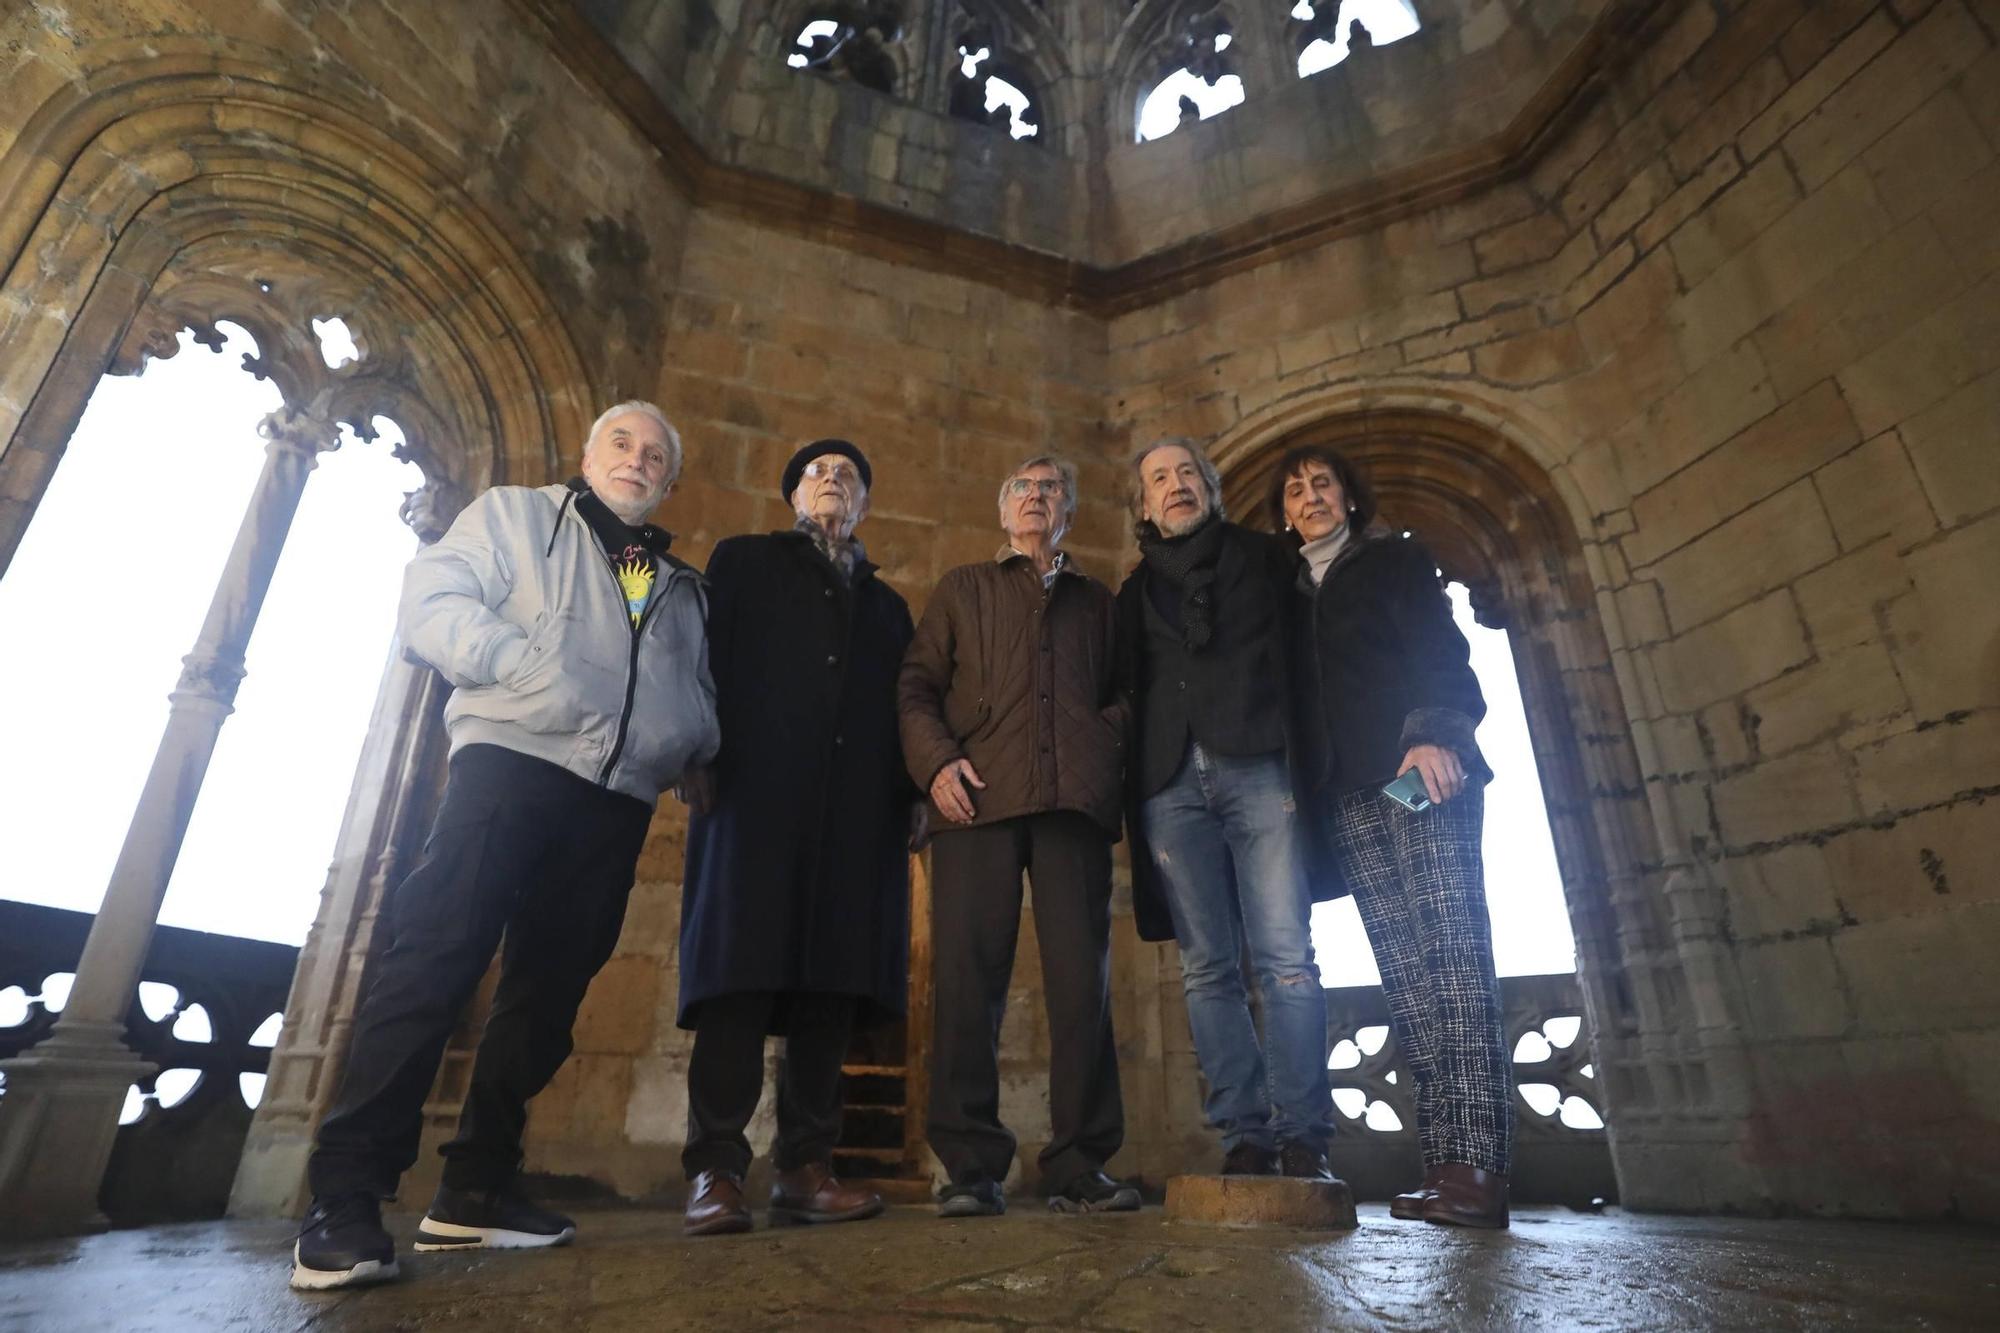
433,1236
365,1273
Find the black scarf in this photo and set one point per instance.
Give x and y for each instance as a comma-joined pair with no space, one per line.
614,534
1187,565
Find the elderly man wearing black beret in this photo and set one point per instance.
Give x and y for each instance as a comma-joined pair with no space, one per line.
795,905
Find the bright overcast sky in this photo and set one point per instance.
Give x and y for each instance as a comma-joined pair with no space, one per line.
106,595
1386,21
114,576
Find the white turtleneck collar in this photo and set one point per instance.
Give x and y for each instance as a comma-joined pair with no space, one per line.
1319,555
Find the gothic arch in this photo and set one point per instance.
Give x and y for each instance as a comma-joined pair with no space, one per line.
1030,42
1490,499
899,45
1146,48
176,185
157,168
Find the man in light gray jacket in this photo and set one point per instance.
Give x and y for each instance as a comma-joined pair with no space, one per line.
578,653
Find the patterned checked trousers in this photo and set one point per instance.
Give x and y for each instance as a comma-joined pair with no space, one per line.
1419,885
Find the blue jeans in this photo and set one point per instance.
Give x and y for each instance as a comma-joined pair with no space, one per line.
1224,841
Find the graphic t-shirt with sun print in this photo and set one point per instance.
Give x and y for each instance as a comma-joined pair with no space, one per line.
636,570
633,552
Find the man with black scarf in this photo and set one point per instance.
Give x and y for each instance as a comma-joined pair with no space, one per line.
1219,856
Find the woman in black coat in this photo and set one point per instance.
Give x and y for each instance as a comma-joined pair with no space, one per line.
795,902
1387,690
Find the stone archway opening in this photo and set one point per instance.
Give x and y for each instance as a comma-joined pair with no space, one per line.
1493,519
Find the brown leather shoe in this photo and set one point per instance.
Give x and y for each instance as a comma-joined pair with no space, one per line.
1468,1197
1410,1207
813,1193
715,1205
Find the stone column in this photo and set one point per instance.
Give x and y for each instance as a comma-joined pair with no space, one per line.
1263,50
378,835
59,1114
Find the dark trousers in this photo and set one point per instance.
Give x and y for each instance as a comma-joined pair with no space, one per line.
520,849
1421,890
975,923
726,1077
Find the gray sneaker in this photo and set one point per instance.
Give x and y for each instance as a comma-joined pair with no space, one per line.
972,1198
1095,1192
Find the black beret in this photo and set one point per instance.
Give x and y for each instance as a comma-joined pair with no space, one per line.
797,467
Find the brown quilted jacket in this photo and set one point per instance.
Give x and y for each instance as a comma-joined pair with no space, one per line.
1019,681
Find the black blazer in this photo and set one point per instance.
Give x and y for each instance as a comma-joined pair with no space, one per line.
1271,559
1382,667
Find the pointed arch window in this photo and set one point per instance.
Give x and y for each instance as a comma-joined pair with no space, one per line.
992,83
1326,32
1197,76
857,42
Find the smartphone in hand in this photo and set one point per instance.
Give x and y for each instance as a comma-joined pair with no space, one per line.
1408,791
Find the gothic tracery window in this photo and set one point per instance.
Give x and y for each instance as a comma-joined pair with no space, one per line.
850,41
127,549
992,84
1325,32
1197,72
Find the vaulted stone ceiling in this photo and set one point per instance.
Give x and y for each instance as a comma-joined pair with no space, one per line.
874,112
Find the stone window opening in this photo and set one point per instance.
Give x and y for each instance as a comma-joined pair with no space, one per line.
1531,927
176,450
1198,78
851,42
993,90
1326,32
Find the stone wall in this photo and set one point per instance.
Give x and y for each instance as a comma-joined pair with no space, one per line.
1744,313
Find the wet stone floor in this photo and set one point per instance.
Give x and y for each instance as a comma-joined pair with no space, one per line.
632,1269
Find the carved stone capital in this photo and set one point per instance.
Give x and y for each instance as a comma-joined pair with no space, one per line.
303,432
209,678
430,509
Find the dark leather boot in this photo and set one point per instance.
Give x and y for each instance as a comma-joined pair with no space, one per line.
715,1205
1249,1159
1468,1197
812,1193
1304,1161
1410,1207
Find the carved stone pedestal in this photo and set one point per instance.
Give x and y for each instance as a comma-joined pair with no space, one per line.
58,1120
1261,1201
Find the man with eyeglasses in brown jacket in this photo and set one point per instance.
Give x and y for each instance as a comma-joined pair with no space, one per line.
1012,722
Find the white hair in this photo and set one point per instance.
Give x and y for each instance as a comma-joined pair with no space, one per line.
1064,469
644,409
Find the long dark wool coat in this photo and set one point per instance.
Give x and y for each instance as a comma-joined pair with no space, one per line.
798,878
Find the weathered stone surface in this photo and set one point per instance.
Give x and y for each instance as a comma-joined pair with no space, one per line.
1261,1201
633,1269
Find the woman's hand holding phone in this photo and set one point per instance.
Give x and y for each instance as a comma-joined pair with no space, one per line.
1442,774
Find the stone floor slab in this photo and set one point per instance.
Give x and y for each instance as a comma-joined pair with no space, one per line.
632,1269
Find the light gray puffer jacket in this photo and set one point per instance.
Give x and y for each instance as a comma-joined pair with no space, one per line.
519,609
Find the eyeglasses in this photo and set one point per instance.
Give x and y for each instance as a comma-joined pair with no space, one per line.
1020,486
844,473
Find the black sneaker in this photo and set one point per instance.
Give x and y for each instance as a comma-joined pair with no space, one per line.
1095,1192
1249,1159
342,1244
1304,1161
501,1219
972,1198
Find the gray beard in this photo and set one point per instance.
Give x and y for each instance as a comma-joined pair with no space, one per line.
1184,526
